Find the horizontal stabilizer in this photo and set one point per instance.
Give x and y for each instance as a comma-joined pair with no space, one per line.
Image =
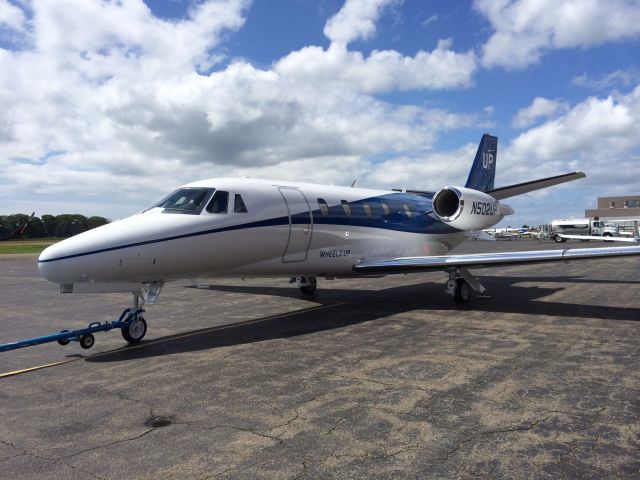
526,187
484,260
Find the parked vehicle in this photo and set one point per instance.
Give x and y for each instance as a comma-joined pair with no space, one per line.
582,226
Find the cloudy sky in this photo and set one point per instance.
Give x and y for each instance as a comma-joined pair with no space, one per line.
106,106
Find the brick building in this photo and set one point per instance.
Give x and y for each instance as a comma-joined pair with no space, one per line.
616,208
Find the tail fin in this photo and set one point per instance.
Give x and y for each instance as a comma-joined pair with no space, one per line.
483,170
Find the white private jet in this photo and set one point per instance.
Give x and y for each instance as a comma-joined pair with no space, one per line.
246,227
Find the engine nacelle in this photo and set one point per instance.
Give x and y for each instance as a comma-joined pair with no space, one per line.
468,209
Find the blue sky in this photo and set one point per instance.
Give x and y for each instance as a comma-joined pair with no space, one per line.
107,106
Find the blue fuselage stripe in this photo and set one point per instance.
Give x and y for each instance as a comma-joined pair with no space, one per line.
418,221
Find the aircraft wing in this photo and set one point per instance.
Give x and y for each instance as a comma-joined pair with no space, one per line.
600,238
485,260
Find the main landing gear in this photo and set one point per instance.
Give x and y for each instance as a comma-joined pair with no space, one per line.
460,284
307,285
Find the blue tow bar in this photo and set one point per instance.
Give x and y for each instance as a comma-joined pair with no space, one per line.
83,335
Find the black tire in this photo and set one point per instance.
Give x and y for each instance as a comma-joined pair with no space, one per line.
135,330
463,291
559,239
87,340
311,285
606,236
63,341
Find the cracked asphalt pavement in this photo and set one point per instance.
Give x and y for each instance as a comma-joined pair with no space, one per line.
368,378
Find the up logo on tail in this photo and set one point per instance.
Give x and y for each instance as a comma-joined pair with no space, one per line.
487,160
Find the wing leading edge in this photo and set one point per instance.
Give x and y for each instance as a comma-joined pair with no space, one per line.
485,260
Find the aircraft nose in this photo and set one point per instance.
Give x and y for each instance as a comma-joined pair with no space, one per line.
51,262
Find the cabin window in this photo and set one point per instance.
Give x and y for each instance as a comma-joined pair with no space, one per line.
219,202
324,208
346,207
185,200
407,210
238,204
367,209
385,209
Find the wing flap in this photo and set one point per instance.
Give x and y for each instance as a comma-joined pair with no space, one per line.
485,260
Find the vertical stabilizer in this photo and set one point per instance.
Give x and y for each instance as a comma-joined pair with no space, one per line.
483,170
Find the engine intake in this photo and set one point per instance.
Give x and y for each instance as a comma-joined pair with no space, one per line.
468,209
446,204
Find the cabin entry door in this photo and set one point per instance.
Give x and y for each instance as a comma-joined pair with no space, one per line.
300,225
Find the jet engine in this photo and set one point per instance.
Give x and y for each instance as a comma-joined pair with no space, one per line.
468,209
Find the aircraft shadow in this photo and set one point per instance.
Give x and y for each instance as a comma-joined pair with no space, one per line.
339,308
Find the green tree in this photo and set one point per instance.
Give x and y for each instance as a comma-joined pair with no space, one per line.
93,222
49,222
69,225
35,228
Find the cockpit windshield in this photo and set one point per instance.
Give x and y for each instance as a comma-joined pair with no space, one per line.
186,200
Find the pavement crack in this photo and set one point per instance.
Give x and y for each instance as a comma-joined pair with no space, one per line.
303,472
23,452
247,430
12,446
330,431
108,444
517,428
12,457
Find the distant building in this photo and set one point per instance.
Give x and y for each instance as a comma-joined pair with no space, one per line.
616,208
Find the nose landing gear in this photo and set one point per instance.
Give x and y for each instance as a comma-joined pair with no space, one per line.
135,326
131,324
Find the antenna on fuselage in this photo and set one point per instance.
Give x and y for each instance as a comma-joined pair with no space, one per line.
353,184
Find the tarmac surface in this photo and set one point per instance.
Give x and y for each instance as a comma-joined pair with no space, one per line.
539,377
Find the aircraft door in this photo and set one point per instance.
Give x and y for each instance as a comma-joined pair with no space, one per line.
300,225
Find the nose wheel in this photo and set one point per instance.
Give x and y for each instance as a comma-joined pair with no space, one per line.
135,330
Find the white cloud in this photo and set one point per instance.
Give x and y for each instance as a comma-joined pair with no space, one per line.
599,136
108,98
356,19
430,171
540,107
616,78
597,129
525,29
382,71
430,19
11,16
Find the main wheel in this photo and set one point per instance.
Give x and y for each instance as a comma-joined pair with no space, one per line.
607,236
135,330
463,291
87,340
559,239
310,286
